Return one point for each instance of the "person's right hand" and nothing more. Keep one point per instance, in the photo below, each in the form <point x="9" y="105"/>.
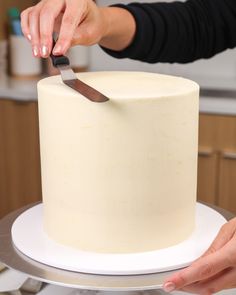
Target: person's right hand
<point x="214" y="271"/>
<point x="77" y="22"/>
<point x="72" y="19"/>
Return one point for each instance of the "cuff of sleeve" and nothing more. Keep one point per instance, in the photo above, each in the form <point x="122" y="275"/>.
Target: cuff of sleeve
<point x="139" y="47"/>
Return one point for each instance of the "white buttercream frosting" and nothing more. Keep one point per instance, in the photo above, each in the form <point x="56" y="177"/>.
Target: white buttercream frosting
<point x="119" y="176"/>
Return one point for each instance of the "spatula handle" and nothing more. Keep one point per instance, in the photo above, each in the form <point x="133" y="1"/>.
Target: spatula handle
<point x="59" y="60"/>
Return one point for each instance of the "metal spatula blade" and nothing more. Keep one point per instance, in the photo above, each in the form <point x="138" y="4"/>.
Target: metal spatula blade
<point x="69" y="78"/>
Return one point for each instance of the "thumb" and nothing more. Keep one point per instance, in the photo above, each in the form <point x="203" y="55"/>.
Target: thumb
<point x="225" y="234"/>
<point x="202" y="269"/>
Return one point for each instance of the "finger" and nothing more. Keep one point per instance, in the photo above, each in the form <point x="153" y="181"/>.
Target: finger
<point x="73" y="15"/>
<point x="48" y="15"/>
<point x="200" y="270"/>
<point x="25" y="22"/>
<point x="224" y="280"/>
<point x="34" y="29"/>
<point x="57" y="23"/>
<point x="223" y="237"/>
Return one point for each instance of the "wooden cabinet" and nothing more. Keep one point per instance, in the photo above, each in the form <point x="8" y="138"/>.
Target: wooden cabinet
<point x="4" y="6"/>
<point x="207" y="175"/>
<point x="227" y="181"/>
<point x="19" y="155"/>
<point x="217" y="161"/>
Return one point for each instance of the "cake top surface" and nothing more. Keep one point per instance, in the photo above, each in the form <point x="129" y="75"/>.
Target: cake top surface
<point x="125" y="85"/>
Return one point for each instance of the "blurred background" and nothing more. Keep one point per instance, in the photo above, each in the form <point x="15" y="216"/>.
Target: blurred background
<point x="19" y="143"/>
<point x="20" y="182"/>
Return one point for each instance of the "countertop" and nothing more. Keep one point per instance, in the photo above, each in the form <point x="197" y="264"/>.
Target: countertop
<point x="217" y="97"/>
<point x="18" y="89"/>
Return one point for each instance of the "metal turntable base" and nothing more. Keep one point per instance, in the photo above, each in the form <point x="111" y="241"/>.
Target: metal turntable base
<point x="17" y="261"/>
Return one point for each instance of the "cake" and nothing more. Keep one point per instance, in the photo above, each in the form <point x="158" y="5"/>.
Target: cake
<point x="119" y="176"/>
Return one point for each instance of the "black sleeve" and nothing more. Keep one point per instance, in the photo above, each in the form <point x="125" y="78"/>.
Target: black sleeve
<point x="180" y="31"/>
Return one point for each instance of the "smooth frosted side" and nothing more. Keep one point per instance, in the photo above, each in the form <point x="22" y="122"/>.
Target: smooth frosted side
<point x="119" y="176"/>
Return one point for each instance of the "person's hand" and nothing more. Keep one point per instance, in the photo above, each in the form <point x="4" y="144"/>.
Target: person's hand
<point x="72" y="19"/>
<point x="77" y="22"/>
<point x="214" y="271"/>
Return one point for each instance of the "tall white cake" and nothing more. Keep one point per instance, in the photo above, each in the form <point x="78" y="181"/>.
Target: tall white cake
<point x="119" y="176"/>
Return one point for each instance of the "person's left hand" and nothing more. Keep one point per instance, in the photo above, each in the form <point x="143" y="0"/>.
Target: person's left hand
<point x="214" y="271"/>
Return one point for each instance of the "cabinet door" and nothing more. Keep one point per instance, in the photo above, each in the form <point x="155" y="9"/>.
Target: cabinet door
<point x="207" y="175"/>
<point x="217" y="162"/>
<point x="227" y="167"/>
<point x="209" y="129"/>
<point x="227" y="133"/>
<point x="20" y="181"/>
<point x="227" y="181"/>
<point x="208" y="158"/>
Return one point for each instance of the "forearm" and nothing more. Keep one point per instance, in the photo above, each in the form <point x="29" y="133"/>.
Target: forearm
<point x="180" y="31"/>
<point x="120" y="28"/>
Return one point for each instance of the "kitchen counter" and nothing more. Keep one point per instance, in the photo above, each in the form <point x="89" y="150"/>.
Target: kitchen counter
<point x="18" y="89"/>
<point x="220" y="100"/>
<point x="218" y="105"/>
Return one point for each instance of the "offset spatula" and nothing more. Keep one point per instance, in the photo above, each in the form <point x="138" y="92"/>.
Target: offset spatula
<point x="62" y="63"/>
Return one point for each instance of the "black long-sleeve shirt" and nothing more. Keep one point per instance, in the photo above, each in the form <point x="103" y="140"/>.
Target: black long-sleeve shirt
<point x="180" y="31"/>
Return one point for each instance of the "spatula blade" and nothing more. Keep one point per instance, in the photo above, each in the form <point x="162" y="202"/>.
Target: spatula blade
<point x="69" y="78"/>
<point x="86" y="90"/>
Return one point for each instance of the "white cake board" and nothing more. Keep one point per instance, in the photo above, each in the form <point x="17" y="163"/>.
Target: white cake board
<point x="30" y="239"/>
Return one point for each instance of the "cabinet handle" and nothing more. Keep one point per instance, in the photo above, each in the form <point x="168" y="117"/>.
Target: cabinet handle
<point x="229" y="155"/>
<point x="205" y="152"/>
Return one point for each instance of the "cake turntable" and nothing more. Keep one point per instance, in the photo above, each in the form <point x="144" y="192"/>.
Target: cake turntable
<point x="46" y="251"/>
<point x="16" y="260"/>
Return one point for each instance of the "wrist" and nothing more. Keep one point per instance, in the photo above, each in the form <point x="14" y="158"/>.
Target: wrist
<point x="106" y="22"/>
<point x="119" y="28"/>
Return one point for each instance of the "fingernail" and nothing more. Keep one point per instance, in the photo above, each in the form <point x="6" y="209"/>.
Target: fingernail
<point x="44" y="50"/>
<point x="29" y="37"/>
<point x="169" y="287"/>
<point x="57" y="49"/>
<point x="35" y="51"/>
